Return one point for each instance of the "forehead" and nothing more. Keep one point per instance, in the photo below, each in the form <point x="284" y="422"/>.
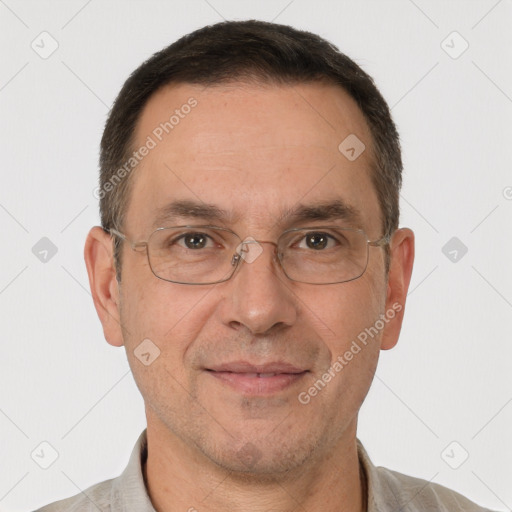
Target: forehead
<point x="257" y="151"/>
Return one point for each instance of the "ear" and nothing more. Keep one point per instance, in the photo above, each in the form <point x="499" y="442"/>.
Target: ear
<point x="399" y="277"/>
<point x="99" y="259"/>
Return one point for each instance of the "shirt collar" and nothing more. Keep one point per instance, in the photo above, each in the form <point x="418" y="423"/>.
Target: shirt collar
<point x="129" y="493"/>
<point x="380" y="496"/>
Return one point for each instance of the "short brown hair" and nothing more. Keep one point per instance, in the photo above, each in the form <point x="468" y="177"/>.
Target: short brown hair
<point x="246" y="51"/>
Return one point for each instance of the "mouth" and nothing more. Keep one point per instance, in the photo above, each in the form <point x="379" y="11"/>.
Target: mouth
<point x="250" y="379"/>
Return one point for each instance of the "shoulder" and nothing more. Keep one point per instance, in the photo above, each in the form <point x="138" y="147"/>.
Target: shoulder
<point x="390" y="491"/>
<point x="415" y="494"/>
<point x="96" y="497"/>
<point x="126" y="493"/>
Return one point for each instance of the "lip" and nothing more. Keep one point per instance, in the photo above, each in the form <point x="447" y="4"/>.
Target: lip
<point x="257" y="379"/>
<point x="246" y="367"/>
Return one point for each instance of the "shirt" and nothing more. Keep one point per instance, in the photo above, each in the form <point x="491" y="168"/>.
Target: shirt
<point x="387" y="491"/>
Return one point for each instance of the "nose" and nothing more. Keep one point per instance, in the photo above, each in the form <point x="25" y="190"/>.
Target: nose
<point x="261" y="298"/>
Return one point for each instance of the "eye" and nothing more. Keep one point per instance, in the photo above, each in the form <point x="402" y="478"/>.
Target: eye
<point x="194" y="241"/>
<point x="318" y="241"/>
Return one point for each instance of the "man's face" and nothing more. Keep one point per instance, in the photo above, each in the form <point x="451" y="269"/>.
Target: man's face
<point x="256" y="152"/>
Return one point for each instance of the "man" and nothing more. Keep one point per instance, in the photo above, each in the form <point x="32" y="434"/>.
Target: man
<point x="250" y="262"/>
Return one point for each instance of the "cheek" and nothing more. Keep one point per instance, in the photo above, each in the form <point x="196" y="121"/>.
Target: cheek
<point x="160" y="323"/>
<point x="354" y="344"/>
<point x="349" y="308"/>
<point x="168" y="314"/>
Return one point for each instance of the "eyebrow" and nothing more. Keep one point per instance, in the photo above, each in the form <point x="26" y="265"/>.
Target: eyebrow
<point x="318" y="211"/>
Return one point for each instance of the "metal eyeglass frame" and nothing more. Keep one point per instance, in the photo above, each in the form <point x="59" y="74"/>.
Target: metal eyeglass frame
<point x="237" y="258"/>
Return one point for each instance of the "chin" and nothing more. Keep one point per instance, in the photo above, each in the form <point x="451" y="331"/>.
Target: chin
<point x="263" y="462"/>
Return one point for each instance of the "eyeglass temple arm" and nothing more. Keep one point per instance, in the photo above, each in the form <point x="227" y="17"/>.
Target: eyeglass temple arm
<point x="380" y="242"/>
<point x="113" y="231"/>
<point x="134" y="245"/>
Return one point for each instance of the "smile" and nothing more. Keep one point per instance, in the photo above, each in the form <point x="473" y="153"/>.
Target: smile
<point x="258" y="383"/>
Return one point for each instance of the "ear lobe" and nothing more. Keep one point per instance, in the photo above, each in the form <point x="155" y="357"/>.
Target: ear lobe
<point x="399" y="278"/>
<point x="98" y="255"/>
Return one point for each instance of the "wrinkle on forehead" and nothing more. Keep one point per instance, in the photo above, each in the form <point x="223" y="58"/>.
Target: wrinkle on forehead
<point x="260" y="149"/>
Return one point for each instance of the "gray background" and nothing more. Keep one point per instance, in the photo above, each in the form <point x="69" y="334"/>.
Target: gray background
<point x="447" y="380"/>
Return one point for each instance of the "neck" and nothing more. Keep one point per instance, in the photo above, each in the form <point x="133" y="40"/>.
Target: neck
<point x="178" y="477"/>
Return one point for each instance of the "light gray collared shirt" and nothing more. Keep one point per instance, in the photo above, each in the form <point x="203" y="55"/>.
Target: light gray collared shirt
<point x="388" y="491"/>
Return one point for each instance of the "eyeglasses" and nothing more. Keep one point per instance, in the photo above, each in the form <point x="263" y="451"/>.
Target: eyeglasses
<point x="212" y="254"/>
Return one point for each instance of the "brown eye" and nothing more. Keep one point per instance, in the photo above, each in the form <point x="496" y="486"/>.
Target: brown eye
<point x="317" y="240"/>
<point x="195" y="240"/>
